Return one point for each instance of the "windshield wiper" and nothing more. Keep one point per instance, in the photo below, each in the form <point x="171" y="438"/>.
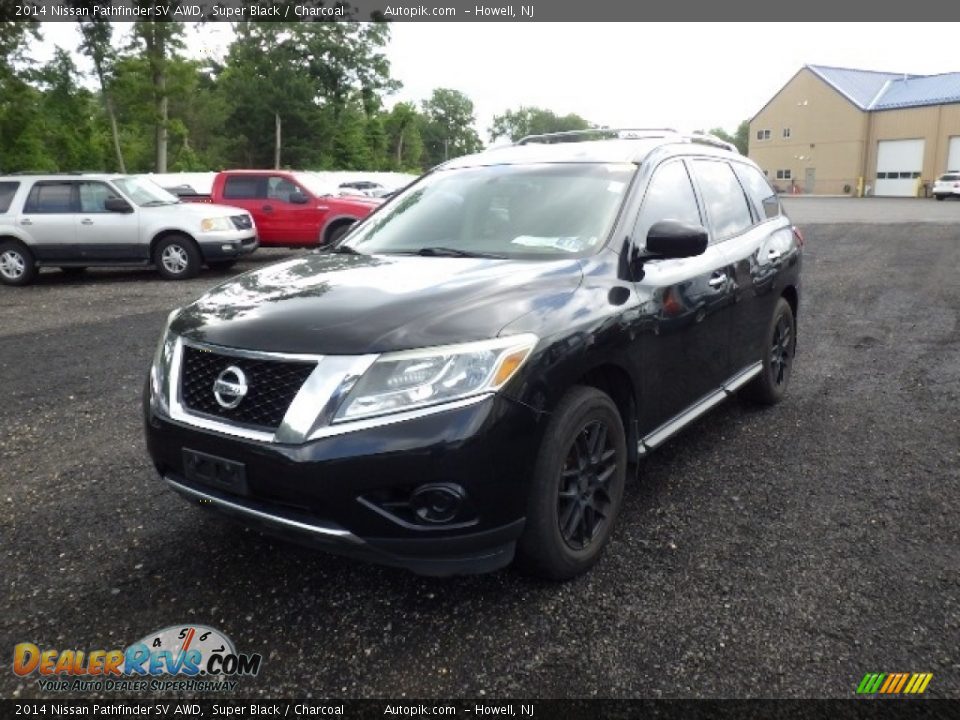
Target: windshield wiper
<point x="454" y="252"/>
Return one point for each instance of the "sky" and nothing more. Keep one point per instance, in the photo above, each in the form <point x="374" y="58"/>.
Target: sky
<point x="689" y="76"/>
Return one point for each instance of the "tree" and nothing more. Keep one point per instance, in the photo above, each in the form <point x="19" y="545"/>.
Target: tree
<point x="741" y="139"/>
<point x="403" y="131"/>
<point x="516" y="124"/>
<point x="159" y="41"/>
<point x="98" y="46"/>
<point x="448" y="129"/>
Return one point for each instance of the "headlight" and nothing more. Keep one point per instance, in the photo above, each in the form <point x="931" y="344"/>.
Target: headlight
<point x="417" y="378"/>
<point x="160" y="370"/>
<point x="213" y="224"/>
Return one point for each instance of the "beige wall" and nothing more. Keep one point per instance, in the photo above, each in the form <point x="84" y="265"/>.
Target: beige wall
<point x="826" y="130"/>
<point x="935" y="124"/>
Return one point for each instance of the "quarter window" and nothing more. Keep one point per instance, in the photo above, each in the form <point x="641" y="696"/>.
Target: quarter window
<point x="7" y="191"/>
<point x="764" y="198"/>
<point x="669" y="197"/>
<point x="723" y="197"/>
<point x="51" y="198"/>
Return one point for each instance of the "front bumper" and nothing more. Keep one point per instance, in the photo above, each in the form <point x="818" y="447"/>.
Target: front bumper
<point x="344" y="493"/>
<point x="231" y="245"/>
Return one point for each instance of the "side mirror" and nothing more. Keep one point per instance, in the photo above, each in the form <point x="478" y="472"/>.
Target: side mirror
<point x="674" y="239"/>
<point x="298" y="198"/>
<point x="118" y="205"/>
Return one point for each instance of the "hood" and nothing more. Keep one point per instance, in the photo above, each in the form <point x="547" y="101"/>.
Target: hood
<point x="196" y="210"/>
<point x="363" y="203"/>
<point x="355" y="304"/>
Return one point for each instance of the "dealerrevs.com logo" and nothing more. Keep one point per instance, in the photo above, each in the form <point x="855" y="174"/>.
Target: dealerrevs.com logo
<point x="179" y="658"/>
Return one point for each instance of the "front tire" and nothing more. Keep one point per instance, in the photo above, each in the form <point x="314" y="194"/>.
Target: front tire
<point x="577" y="487"/>
<point x="779" y="348"/>
<point x="17" y="264"/>
<point x="177" y="257"/>
<point x="939" y="197"/>
<point x="338" y="232"/>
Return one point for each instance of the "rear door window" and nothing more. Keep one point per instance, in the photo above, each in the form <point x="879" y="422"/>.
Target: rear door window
<point x="52" y="198"/>
<point x="764" y="198"/>
<point x="7" y="191"/>
<point x="245" y="187"/>
<point x="724" y="199"/>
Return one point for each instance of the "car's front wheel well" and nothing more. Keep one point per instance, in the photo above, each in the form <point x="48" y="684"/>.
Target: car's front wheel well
<point x="790" y="295"/>
<point x="615" y="382"/>
<point x="163" y="234"/>
<point x="337" y="228"/>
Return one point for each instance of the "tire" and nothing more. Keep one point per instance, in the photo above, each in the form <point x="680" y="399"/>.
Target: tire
<point x="939" y="197"/>
<point x="177" y="258"/>
<point x="221" y="264"/>
<point x="17" y="264"/>
<point x="565" y="534"/>
<point x="780" y="346"/>
<point x="338" y="232"/>
<point x="73" y="270"/>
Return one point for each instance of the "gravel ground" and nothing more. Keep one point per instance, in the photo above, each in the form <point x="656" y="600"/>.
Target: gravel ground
<point x="763" y="553"/>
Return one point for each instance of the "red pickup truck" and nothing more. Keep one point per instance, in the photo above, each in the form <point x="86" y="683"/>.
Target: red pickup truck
<point x="290" y="208"/>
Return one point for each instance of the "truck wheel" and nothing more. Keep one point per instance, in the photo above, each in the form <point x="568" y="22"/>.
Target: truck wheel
<point x="17" y="264"/>
<point x="577" y="487"/>
<point x="338" y="232"/>
<point x="177" y="257"/>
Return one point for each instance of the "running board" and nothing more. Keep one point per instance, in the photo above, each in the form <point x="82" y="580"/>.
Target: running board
<point x="676" y="424"/>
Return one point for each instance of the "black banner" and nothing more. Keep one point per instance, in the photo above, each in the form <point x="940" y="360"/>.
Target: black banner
<point x="465" y="11"/>
<point x="249" y="709"/>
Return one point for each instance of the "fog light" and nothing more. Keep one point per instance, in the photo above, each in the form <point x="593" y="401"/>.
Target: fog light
<point x="437" y="502"/>
<point x="227" y="248"/>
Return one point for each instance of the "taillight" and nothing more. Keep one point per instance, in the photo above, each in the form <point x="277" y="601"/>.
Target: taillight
<point x="797" y="234"/>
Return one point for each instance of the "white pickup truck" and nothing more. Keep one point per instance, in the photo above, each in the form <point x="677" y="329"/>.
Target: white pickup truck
<point x="77" y="221"/>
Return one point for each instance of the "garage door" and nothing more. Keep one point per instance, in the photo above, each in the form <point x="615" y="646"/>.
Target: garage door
<point x="953" y="155"/>
<point x="899" y="163"/>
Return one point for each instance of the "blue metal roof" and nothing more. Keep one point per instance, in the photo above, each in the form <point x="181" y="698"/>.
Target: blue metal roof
<point x="870" y="90"/>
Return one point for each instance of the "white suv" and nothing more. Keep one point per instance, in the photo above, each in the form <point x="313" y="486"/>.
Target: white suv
<point x="76" y="221"/>
<point x="947" y="185"/>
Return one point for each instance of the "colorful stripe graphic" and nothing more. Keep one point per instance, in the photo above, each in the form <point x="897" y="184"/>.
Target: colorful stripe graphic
<point x="894" y="683"/>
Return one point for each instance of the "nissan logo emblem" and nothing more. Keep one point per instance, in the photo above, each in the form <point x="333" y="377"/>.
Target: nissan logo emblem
<point x="230" y="387"/>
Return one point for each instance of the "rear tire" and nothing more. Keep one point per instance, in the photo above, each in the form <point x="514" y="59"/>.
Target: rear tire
<point x="577" y="487"/>
<point x="779" y="348"/>
<point x="177" y="257"/>
<point x="939" y="197"/>
<point x="17" y="264"/>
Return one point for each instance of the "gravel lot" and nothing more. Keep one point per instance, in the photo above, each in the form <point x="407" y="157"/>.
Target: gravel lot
<point x="772" y="553"/>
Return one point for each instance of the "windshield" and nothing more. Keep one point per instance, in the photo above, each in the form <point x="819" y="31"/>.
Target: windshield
<point x="316" y="185"/>
<point x="518" y="211"/>
<point x="144" y="192"/>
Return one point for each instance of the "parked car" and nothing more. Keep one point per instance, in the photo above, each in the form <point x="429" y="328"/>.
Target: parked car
<point x="77" y="221"/>
<point x="467" y="376"/>
<point x="947" y="185"/>
<point x="291" y="209"/>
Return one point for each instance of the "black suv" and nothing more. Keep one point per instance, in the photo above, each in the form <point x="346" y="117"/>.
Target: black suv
<point x="468" y="375"/>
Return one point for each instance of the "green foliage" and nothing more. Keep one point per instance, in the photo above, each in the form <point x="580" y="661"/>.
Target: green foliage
<point x="447" y="126"/>
<point x="741" y="139"/>
<point x="516" y="124"/>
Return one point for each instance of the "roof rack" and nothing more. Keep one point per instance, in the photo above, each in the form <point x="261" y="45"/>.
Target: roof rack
<point x="628" y="134"/>
<point x="561" y="136"/>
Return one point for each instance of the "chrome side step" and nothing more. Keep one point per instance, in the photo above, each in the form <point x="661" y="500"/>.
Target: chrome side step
<point x="677" y="423"/>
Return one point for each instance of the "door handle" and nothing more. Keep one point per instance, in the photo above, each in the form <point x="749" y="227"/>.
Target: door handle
<point x="717" y="280"/>
<point x="86" y="221"/>
<point x="322" y="207"/>
<point x="26" y="221"/>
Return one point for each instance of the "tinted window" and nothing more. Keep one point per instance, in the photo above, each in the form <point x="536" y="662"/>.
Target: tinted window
<point x="724" y="199"/>
<point x="669" y="197"/>
<point x="7" y="191"/>
<point x="944" y="178"/>
<point x="241" y="187"/>
<point x="93" y="195"/>
<point x="765" y="200"/>
<point x="50" y="198"/>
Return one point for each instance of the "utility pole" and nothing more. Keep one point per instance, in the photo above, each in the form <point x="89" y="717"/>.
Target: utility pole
<point x="276" y="146"/>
